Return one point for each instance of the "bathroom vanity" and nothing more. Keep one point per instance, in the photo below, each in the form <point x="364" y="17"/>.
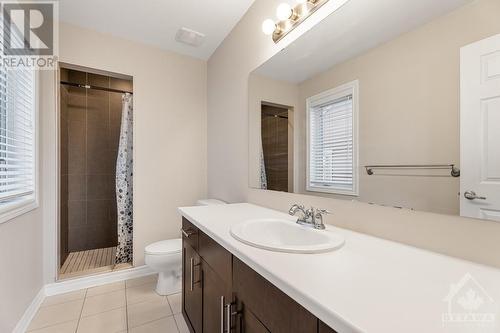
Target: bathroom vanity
<point x="229" y="286"/>
<point x="223" y="294"/>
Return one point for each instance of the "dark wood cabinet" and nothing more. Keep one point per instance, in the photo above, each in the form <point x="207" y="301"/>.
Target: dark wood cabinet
<point x="192" y="298"/>
<point x="223" y="294"/>
<point x="217" y="257"/>
<point x="190" y="234"/>
<point x="248" y="323"/>
<point x="274" y="309"/>
<point x="323" y="328"/>
<point x="216" y="296"/>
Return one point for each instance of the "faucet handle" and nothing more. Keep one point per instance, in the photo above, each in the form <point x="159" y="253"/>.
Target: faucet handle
<point x="317" y="218"/>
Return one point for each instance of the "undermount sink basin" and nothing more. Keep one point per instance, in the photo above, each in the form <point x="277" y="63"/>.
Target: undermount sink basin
<point x="285" y="236"/>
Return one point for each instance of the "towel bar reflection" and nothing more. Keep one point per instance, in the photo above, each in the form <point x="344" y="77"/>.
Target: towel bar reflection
<point x="455" y="171"/>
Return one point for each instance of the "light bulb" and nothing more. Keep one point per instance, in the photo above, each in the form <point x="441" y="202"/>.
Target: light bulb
<point x="268" y="27"/>
<point x="284" y="12"/>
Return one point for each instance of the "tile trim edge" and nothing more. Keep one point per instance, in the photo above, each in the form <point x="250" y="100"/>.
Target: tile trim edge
<point x="29" y="314"/>
<point x="69" y="285"/>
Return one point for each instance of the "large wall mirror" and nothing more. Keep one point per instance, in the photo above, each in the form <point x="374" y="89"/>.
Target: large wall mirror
<point x="393" y="102"/>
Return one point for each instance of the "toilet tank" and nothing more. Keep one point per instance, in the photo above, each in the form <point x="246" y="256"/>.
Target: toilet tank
<point x="209" y="202"/>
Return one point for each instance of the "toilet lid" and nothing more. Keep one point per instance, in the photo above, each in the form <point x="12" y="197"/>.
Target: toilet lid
<point x="164" y="247"/>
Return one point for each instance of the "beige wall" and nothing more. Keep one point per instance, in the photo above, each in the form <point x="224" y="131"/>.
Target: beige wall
<point x="228" y="69"/>
<point x="22" y="266"/>
<point x="22" y="242"/>
<point x="169" y="126"/>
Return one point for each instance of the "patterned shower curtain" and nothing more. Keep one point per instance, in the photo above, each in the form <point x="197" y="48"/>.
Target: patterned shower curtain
<point x="263" y="175"/>
<point x="124" y="189"/>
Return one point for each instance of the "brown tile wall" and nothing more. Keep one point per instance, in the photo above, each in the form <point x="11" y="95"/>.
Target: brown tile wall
<point x="63" y="216"/>
<point x="275" y="147"/>
<point x="90" y="130"/>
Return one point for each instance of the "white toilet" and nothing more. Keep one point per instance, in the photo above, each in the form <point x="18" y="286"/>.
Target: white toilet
<point x="165" y="257"/>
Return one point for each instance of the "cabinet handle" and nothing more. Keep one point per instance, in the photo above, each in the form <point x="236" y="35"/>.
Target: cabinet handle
<point x="191" y="274"/>
<point x="228" y="317"/>
<point x="222" y="330"/>
<point x="187" y="233"/>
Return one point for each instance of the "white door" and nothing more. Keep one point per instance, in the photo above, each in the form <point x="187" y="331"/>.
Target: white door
<point x="480" y="129"/>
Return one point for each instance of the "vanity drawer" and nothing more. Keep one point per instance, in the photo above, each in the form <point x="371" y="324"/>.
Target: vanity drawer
<point x="273" y="308"/>
<point x="217" y="257"/>
<point x="190" y="234"/>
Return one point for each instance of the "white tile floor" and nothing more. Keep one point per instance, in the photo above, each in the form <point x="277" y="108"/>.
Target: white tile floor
<point x="129" y="306"/>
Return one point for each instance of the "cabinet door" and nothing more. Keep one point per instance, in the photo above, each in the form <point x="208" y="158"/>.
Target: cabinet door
<point x="191" y="288"/>
<point x="216" y="295"/>
<point x="217" y="257"/>
<point x="248" y="323"/>
<point x="276" y="311"/>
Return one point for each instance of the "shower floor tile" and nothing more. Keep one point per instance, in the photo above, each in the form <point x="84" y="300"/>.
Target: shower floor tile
<point x="90" y="262"/>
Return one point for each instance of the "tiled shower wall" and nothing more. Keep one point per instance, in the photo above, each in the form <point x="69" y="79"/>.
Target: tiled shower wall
<point x="90" y="131"/>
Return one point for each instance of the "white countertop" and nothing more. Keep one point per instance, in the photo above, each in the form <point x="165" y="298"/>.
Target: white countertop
<point x="369" y="285"/>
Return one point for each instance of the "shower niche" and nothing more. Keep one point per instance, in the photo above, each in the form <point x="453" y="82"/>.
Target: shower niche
<point x="95" y="151"/>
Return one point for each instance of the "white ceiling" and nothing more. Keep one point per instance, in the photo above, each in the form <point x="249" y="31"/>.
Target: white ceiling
<point x="350" y="31"/>
<point x="156" y="22"/>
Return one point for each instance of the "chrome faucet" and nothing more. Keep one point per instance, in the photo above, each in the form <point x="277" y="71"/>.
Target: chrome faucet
<point x="296" y="208"/>
<point x="310" y="217"/>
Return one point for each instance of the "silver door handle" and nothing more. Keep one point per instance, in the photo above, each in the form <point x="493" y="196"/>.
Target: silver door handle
<point x="471" y="195"/>
<point x="222" y="304"/>
<point x="191" y="274"/>
<point x="229" y="315"/>
<point x="188" y="233"/>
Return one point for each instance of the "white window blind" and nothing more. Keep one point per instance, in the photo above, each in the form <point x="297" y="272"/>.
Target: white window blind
<point x="332" y="155"/>
<point x="17" y="134"/>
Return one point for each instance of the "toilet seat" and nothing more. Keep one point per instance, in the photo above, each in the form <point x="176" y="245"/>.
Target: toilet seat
<point x="170" y="246"/>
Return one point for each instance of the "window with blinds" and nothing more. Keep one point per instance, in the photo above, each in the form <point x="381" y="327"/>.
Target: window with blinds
<point x="332" y="141"/>
<point x="17" y="138"/>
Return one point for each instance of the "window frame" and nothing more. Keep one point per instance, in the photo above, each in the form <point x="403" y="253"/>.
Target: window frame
<point x="350" y="88"/>
<point x="25" y="204"/>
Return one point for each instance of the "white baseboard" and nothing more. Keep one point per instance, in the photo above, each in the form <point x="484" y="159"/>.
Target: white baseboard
<point x="24" y="322"/>
<point x="66" y="286"/>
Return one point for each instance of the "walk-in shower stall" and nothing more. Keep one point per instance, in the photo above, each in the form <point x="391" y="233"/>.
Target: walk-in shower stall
<point x="95" y="150"/>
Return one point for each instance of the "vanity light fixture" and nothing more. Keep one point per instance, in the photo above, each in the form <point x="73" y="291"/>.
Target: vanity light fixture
<point x="268" y="27"/>
<point x="290" y="17"/>
<point x="285" y="12"/>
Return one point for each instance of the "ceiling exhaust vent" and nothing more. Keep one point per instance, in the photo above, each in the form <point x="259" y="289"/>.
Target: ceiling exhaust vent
<point x="190" y="37"/>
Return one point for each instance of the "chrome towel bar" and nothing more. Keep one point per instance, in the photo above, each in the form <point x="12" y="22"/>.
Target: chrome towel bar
<point x="455" y="171"/>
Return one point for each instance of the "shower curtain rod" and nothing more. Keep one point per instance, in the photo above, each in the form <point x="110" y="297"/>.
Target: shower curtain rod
<point x="86" y="86"/>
